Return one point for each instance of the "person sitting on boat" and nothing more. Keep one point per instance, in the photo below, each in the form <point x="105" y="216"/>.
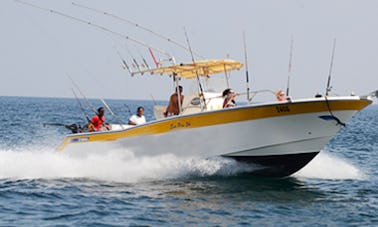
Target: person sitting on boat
<point x="229" y="98"/>
<point x="98" y="122"/>
<point x="138" y="118"/>
<point x="174" y="106"/>
<point x="280" y="95"/>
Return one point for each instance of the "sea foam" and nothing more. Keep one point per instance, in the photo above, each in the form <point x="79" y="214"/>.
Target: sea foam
<point x="330" y="166"/>
<point x="111" y="166"/>
<point x="124" y="166"/>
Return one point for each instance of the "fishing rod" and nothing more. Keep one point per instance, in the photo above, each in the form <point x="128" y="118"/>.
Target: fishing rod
<point x="198" y="79"/>
<point x="112" y="113"/>
<point x="82" y="94"/>
<point x="329" y="87"/>
<point x="134" y="61"/>
<point x="145" y="63"/>
<point x="93" y="25"/>
<point x="93" y="108"/>
<point x="227" y="75"/>
<point x="81" y="107"/>
<point x="153" y="99"/>
<point x="143" y="59"/>
<point x="289" y="67"/>
<point x="137" y="65"/>
<point x="73" y="127"/>
<point x="153" y="57"/>
<point x="246" y="66"/>
<point x="128" y="108"/>
<point x="136" y="25"/>
<point x="124" y="64"/>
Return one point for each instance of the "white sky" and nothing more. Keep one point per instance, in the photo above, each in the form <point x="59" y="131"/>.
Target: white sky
<point x="38" y="48"/>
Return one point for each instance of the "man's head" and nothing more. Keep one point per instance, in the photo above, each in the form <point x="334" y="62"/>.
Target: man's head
<point x="180" y="89"/>
<point x="140" y="111"/>
<point x="101" y="111"/>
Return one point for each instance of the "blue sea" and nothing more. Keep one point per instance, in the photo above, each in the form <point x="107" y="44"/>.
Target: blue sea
<point x="39" y="187"/>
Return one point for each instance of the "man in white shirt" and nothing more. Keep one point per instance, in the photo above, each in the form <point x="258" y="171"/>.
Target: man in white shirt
<point x="138" y="118"/>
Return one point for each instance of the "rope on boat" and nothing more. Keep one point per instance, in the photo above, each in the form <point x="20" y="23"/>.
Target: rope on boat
<point x="339" y="122"/>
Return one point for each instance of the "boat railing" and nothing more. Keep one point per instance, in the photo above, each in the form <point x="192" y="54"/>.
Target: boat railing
<point x="252" y="95"/>
<point x="214" y="101"/>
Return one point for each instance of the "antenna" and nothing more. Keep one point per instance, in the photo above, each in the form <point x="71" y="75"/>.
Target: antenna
<point x="289" y="68"/>
<point x="329" y="87"/>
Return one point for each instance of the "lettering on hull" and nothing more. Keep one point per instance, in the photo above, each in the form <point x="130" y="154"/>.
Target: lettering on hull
<point x="282" y="109"/>
<point x="178" y="125"/>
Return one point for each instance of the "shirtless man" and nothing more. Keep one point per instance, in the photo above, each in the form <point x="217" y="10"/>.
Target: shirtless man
<point x="173" y="106"/>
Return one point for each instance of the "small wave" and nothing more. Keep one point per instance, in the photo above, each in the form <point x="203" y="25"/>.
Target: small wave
<point x="111" y="166"/>
<point x="329" y="166"/>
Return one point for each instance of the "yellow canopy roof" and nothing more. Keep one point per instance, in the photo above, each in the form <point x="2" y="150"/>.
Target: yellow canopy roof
<point x="190" y="70"/>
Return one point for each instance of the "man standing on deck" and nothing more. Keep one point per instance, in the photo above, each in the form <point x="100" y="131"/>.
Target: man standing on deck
<point x="174" y="106"/>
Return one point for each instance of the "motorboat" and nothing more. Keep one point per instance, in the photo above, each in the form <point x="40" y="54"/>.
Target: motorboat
<point x="277" y="138"/>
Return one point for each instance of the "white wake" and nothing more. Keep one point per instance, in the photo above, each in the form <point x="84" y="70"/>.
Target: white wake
<point x="126" y="167"/>
<point x="329" y="166"/>
<point x="112" y="166"/>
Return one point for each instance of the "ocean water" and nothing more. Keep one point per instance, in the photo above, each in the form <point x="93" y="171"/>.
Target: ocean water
<point x="41" y="188"/>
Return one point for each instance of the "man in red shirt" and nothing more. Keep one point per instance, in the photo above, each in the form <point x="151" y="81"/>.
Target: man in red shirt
<point x="98" y="121"/>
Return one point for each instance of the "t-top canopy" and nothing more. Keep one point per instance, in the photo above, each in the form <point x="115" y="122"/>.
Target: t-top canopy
<point x="190" y="70"/>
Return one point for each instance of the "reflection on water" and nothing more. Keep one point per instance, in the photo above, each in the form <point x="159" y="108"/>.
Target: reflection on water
<point x="242" y="188"/>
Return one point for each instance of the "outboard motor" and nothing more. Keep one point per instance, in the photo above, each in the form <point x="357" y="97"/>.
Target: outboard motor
<point x="74" y="128"/>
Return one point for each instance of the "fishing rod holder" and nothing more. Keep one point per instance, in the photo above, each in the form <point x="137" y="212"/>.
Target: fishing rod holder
<point x="170" y="60"/>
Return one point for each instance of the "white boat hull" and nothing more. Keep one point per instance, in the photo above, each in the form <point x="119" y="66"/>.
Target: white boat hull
<point x="281" y="137"/>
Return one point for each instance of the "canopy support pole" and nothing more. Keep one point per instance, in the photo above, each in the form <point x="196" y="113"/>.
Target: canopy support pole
<point x="176" y="80"/>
